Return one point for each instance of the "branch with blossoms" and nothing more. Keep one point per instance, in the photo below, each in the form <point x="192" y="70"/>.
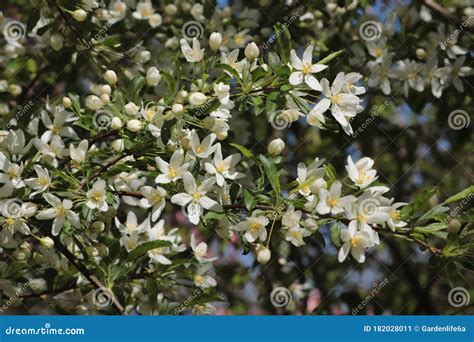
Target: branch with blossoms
<point x="100" y="176"/>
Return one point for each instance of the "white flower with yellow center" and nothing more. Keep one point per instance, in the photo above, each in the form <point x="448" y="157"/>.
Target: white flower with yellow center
<point x="331" y="201"/>
<point x="223" y="168"/>
<point x="356" y="243"/>
<point x="153" y="198"/>
<point x="344" y="106"/>
<point x="60" y="212"/>
<point x="131" y="224"/>
<point x="172" y="171"/>
<point x="254" y="228"/>
<point x="41" y="183"/>
<point x="96" y="196"/>
<point x="11" y="176"/>
<point x="57" y="126"/>
<point x="194" y="54"/>
<point x="195" y="198"/>
<point x="15" y="214"/>
<point x="394" y="216"/>
<point x="200" y="250"/>
<point x="308" y="175"/>
<point x="78" y="154"/>
<point x="204" y="148"/>
<point x="361" y="173"/>
<point x="305" y="68"/>
<point x="143" y="10"/>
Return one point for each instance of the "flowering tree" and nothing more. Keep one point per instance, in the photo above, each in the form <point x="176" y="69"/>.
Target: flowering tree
<point x="154" y="156"/>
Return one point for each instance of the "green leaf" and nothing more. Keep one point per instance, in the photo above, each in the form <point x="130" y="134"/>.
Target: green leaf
<point x="431" y="228"/>
<point x="229" y="69"/>
<point x="436" y="213"/>
<point x="209" y="8"/>
<point x="170" y="81"/>
<point x="283" y="43"/>
<point x="147" y="246"/>
<point x="166" y="130"/>
<point x="258" y="105"/>
<point x="274" y="60"/>
<point x="134" y="88"/>
<point x="336" y="235"/>
<point x="272" y="174"/>
<point x="243" y="150"/>
<point x="330" y="172"/>
<point x="250" y="200"/>
<point x="469" y="192"/>
<point x="333" y="55"/>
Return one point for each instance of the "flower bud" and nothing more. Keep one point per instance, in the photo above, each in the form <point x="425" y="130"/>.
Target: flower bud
<point x="155" y="20"/>
<point x="208" y="122"/>
<point x="93" y="102"/>
<point x="177" y="108"/>
<point x="105" y="98"/>
<point x="276" y="146"/>
<point x="38" y="284"/>
<point x="67" y="103"/>
<point x="197" y="99"/>
<point x="153" y="76"/>
<point x="221" y="135"/>
<point x="111" y="77"/>
<point x="181" y="96"/>
<point x="134" y="125"/>
<point x="143" y="56"/>
<point x="14" y="89"/>
<point x="98" y="226"/>
<point x="215" y="41"/>
<point x="47" y="242"/>
<point x="454" y="226"/>
<point x="92" y="251"/>
<point x="263" y="255"/>
<point x="251" y="51"/>
<point x="105" y="89"/>
<point x="421" y="53"/>
<point x="116" y="123"/>
<point x="118" y="145"/>
<point x="131" y="108"/>
<point x="79" y="14"/>
<point x="56" y="41"/>
<point x="171" y="9"/>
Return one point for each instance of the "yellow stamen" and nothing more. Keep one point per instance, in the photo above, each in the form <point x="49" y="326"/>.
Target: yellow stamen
<point x="356" y="242"/>
<point x="395" y="215"/>
<point x="172" y="172"/>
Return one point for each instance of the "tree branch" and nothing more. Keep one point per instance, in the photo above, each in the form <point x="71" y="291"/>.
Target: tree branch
<point x="85" y="272"/>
